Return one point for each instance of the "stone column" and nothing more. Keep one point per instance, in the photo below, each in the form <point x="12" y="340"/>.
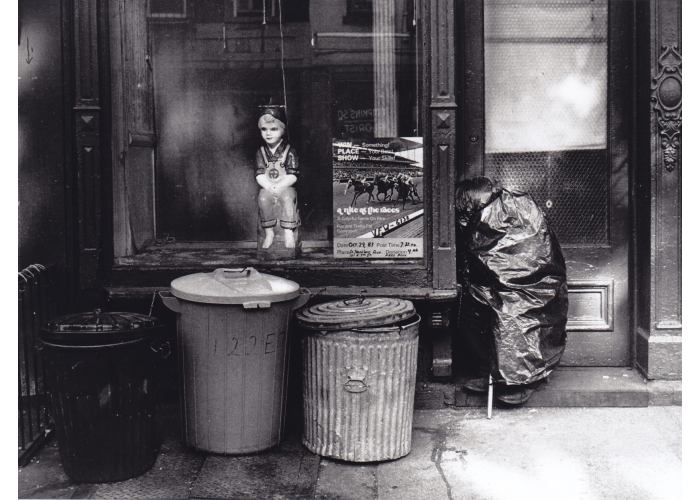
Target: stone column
<point x="88" y="161"/>
<point x="443" y="140"/>
<point x="658" y="341"/>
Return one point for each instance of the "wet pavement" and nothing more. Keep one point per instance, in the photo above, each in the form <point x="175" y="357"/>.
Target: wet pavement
<point x="520" y="453"/>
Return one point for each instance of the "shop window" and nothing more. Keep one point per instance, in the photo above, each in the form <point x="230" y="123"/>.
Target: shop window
<point x="338" y="82"/>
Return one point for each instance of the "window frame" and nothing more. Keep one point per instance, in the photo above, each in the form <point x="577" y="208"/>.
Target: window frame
<point x="415" y="277"/>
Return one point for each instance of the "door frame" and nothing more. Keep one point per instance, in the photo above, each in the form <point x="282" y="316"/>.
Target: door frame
<point x="622" y="69"/>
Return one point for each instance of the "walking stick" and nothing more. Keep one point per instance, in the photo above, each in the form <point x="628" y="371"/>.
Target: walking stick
<point x="489" y="403"/>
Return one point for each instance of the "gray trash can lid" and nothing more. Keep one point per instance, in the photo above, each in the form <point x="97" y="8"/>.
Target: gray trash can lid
<point x="358" y="312"/>
<point x="99" y="328"/>
<point x="234" y="286"/>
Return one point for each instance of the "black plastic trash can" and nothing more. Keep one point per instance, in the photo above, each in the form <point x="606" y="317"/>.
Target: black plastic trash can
<point x="100" y="374"/>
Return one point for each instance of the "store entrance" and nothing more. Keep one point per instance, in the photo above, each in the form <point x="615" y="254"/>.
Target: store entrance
<point x="553" y="111"/>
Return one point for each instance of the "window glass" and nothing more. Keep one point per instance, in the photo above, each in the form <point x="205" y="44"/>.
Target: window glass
<point x="344" y="70"/>
<point x="546" y="74"/>
<point x="546" y="109"/>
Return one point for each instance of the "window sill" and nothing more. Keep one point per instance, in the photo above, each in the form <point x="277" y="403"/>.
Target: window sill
<point x="316" y="269"/>
<point x="205" y="255"/>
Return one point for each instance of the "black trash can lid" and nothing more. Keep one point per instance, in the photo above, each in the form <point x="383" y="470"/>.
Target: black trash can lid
<point x="98" y="328"/>
<point x="358" y="312"/>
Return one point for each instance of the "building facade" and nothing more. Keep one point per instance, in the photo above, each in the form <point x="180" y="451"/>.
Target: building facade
<point x="138" y="126"/>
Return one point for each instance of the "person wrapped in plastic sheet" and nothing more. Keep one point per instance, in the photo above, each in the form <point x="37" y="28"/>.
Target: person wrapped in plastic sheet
<point x="514" y="288"/>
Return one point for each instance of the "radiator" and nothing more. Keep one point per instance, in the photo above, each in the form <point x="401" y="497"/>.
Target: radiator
<point x="34" y="308"/>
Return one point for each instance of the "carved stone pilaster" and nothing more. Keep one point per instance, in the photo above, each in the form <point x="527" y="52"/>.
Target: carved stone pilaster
<point x="659" y="328"/>
<point x="442" y="126"/>
<point x="87" y="122"/>
<point x="666" y="101"/>
<point x="443" y="139"/>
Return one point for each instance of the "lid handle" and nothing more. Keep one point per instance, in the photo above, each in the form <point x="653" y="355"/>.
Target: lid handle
<point x="227" y="273"/>
<point x="354" y="301"/>
<point x="242" y="280"/>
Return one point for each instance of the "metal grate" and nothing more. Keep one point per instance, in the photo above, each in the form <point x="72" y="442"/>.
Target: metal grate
<point x="572" y="187"/>
<point x="546" y="109"/>
<point x="34" y="307"/>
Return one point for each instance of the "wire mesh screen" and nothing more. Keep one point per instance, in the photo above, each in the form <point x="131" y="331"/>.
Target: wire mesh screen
<point x="572" y="187"/>
<point x="34" y="308"/>
<point x="546" y="109"/>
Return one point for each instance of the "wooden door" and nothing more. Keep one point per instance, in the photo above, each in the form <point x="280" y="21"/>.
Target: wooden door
<point x="553" y="111"/>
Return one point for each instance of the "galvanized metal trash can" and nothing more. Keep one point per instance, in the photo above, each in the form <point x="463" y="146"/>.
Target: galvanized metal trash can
<point x="360" y="358"/>
<point x="101" y="370"/>
<point x="233" y="356"/>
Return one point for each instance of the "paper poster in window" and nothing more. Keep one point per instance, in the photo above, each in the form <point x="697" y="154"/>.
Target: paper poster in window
<point x="378" y="198"/>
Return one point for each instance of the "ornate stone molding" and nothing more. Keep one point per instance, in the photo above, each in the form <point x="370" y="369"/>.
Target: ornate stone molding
<point x="666" y="89"/>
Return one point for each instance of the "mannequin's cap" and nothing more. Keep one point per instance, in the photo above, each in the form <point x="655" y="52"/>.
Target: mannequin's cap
<point x="277" y="111"/>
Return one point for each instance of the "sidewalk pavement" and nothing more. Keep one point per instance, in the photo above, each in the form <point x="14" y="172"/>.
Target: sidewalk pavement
<point x="521" y="453"/>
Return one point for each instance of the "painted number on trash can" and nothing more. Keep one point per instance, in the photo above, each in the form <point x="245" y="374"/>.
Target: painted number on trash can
<point x="252" y="345"/>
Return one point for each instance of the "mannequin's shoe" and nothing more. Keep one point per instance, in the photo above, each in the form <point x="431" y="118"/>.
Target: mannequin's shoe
<point x="289" y="240"/>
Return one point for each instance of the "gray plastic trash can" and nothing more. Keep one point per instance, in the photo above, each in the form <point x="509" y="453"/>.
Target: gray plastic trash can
<point x="233" y="356"/>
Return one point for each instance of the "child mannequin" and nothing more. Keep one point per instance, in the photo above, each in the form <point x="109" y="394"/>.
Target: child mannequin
<point x="276" y="172"/>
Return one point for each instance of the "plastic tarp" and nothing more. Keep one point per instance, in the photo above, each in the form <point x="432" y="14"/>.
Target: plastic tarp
<point x="517" y="276"/>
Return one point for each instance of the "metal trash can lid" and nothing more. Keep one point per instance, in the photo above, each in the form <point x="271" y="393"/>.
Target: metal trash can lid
<point x="99" y="328"/>
<point x="358" y="312"/>
<point x="234" y="286"/>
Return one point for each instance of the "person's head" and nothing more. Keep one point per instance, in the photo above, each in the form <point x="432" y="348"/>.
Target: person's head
<point x="272" y="124"/>
<point x="470" y="196"/>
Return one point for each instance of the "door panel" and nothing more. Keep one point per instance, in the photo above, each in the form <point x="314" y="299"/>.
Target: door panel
<point x="557" y="127"/>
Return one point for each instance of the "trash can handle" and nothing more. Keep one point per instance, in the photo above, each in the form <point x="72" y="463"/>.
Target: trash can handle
<point x="304" y="296"/>
<point x="170" y="301"/>
<point x="356" y="380"/>
<point x="161" y="347"/>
